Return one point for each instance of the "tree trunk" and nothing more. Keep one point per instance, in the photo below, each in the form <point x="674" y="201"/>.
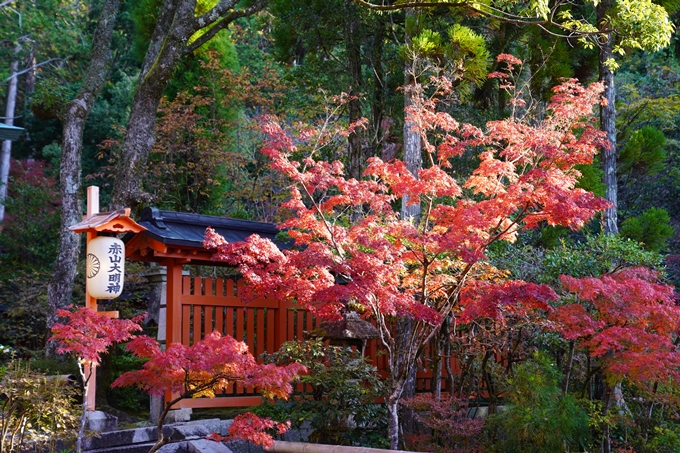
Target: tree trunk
<point x="393" y="417"/>
<point x="382" y="133"/>
<point x="60" y="287"/>
<point x="170" y="42"/>
<point x="353" y="49"/>
<point x="6" y="157"/>
<point x="608" y="124"/>
<point x="412" y="143"/>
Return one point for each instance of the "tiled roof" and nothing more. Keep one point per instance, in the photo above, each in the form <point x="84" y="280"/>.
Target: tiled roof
<point x="184" y="229"/>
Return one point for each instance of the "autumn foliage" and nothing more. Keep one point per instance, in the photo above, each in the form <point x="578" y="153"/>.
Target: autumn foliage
<point x="627" y="320"/>
<point x="203" y="369"/>
<point x="87" y="335"/>
<point x="353" y="251"/>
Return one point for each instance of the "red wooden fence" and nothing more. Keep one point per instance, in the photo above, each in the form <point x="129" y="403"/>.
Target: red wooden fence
<point x="264" y="324"/>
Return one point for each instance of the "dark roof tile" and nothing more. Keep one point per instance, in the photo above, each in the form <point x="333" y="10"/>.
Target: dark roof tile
<point x="184" y="229"/>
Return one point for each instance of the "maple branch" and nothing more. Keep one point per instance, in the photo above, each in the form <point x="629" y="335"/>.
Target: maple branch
<point x="384" y="331"/>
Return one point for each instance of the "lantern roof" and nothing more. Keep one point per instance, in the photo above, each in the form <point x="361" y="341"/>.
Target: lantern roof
<point x="109" y="222"/>
<point x="8" y="132"/>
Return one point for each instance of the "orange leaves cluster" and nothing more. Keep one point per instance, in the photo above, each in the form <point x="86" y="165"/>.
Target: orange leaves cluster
<point x="350" y="246"/>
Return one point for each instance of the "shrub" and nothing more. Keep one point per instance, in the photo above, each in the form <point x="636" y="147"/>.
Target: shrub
<point x="36" y="409"/>
<point x="448" y="427"/>
<point x="538" y="417"/>
<point x="652" y="228"/>
<point x="340" y="402"/>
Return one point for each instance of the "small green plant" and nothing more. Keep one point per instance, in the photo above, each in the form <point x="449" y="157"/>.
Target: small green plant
<point x="651" y="228"/>
<point x="36" y="409"/>
<point x="339" y="401"/>
<point x="539" y="417"/>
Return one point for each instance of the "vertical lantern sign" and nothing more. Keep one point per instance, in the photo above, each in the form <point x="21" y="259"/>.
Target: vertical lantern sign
<point x="105" y="267"/>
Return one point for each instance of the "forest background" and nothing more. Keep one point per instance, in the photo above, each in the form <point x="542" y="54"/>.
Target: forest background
<point x="295" y="60"/>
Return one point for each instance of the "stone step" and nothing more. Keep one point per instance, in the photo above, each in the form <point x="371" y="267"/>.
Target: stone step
<point x="176" y="432"/>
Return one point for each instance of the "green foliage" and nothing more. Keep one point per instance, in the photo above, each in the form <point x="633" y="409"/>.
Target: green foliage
<point x="468" y="49"/>
<point x="341" y="406"/>
<point x="144" y="17"/>
<point x="50" y="98"/>
<point x="128" y="399"/>
<point x="35" y="408"/>
<point x="591" y="178"/>
<point x="664" y="440"/>
<point x="28" y="248"/>
<point x="23" y="304"/>
<point x="652" y="228"/>
<point x="644" y="152"/>
<point x="597" y="255"/>
<point x="538" y="417"/>
<point x="464" y="53"/>
<point x="640" y="24"/>
<point x="592" y="256"/>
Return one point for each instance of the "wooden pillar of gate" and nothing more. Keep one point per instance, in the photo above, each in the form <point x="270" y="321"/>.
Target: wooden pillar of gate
<point x="173" y="307"/>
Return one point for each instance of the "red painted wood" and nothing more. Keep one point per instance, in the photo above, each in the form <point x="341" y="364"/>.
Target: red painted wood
<point x="186" y="325"/>
<point x="230" y="322"/>
<point x="196" y="331"/>
<point x="271" y="330"/>
<point x="260" y="333"/>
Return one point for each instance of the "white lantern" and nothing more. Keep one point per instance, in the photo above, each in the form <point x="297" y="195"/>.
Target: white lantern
<point x="105" y="267"/>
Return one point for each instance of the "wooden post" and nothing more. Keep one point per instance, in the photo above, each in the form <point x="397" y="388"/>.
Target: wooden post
<point x="93" y="223"/>
<point x="91" y="302"/>
<point x="173" y="308"/>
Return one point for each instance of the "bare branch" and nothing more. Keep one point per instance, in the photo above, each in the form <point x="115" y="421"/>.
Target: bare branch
<point x="17" y="74"/>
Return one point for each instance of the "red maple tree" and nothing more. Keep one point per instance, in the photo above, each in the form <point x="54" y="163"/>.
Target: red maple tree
<point x="86" y="335"/>
<point x="353" y="251"/>
<point x="627" y="320"/>
<point x="204" y="368"/>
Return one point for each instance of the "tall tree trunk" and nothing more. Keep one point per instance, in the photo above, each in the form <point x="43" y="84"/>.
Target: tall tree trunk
<point x="412" y="144"/>
<point x="378" y="96"/>
<point x="164" y="53"/>
<point x="353" y="49"/>
<point x="6" y="156"/>
<point x="608" y="123"/>
<point x="393" y="419"/>
<point x="60" y="288"/>
<point x="414" y="162"/>
<point x="177" y="24"/>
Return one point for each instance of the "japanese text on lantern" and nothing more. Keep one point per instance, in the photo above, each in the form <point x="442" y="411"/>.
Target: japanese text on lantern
<point x="105" y="267"/>
<point x="115" y="255"/>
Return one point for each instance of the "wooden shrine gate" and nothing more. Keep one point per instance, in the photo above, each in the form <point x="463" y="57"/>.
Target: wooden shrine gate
<point x="195" y="306"/>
